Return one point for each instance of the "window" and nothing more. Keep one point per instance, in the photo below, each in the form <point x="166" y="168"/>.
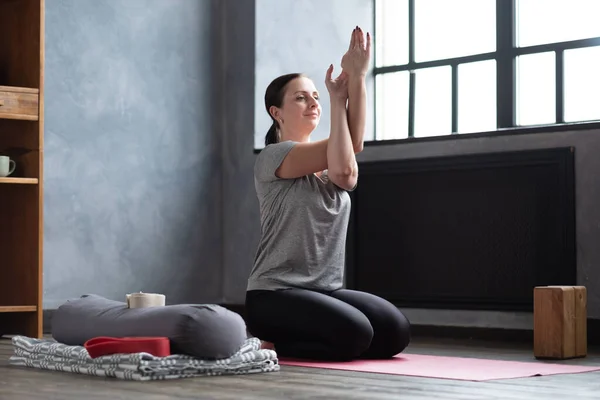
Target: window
<point x="446" y="67"/>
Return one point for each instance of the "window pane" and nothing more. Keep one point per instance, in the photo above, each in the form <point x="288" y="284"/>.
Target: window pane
<point x="446" y="29"/>
<point x="391" y="32"/>
<point x="549" y="21"/>
<point x="536" y="89"/>
<point x="392" y="105"/>
<point x="433" y="101"/>
<point x="477" y="96"/>
<point x="582" y="84"/>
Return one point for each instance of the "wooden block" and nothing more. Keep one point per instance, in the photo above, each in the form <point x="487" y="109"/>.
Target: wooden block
<point x="580" y="321"/>
<point x="560" y="322"/>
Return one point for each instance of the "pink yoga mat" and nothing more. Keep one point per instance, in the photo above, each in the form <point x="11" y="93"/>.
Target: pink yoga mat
<point x="469" y="369"/>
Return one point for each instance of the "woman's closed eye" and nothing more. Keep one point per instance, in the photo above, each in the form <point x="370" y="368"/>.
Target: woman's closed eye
<point x="299" y="98"/>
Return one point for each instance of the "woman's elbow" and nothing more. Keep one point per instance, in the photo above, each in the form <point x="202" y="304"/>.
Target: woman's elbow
<point x="346" y="180"/>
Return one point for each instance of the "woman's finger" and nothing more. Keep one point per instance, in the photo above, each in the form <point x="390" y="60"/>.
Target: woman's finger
<point x="368" y="43"/>
<point x="352" y="36"/>
<point x="361" y="39"/>
<point x="328" y="73"/>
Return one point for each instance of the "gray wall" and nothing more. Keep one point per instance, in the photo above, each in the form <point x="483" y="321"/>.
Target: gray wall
<point x="240" y="216"/>
<point x="132" y="150"/>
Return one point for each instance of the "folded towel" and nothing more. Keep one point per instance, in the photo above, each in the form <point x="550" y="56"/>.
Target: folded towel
<point x="51" y="355"/>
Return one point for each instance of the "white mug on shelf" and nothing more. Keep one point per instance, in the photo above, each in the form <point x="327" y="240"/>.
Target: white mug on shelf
<point x="7" y="166"/>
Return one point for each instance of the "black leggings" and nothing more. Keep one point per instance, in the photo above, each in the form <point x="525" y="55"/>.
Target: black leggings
<point x="341" y="325"/>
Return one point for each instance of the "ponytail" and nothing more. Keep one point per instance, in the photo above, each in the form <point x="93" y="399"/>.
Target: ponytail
<point x="274" y="98"/>
<point x="272" y="134"/>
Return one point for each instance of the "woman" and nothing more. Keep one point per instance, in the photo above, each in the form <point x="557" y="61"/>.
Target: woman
<point x="295" y="298"/>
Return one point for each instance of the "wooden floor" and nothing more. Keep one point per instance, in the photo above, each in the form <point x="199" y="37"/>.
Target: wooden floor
<point x="20" y="383"/>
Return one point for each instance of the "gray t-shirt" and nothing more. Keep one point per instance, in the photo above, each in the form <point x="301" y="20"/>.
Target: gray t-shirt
<point x="303" y="227"/>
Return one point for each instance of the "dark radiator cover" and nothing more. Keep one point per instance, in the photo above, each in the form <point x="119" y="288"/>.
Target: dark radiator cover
<point x="467" y="232"/>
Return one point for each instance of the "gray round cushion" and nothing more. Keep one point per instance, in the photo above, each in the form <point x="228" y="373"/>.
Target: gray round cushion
<point x="200" y="330"/>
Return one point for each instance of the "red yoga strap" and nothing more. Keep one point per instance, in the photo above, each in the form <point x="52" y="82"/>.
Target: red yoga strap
<point x="103" y="346"/>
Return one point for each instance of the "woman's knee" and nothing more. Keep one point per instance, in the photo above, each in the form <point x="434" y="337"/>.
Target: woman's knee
<point x="356" y="339"/>
<point x="393" y="337"/>
<point x="403" y="334"/>
<point x="353" y="340"/>
<point x="256" y="320"/>
<point x="391" y="327"/>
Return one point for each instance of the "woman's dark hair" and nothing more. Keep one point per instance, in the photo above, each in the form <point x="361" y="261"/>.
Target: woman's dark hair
<point x="274" y="97"/>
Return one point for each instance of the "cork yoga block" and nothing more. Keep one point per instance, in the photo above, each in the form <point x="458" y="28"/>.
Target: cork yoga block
<point x="560" y="322"/>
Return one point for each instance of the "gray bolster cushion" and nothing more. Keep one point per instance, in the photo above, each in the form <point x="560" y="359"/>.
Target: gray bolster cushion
<point x="199" y="330"/>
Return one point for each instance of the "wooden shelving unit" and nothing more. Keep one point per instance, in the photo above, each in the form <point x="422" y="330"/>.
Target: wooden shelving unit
<point x="22" y="139"/>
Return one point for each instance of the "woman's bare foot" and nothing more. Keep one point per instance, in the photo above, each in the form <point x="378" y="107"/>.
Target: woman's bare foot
<point x="266" y="345"/>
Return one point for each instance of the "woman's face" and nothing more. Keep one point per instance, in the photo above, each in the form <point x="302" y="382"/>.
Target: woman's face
<point x="301" y="110"/>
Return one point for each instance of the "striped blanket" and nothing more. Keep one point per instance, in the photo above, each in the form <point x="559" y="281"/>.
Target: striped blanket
<point x="50" y="355"/>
